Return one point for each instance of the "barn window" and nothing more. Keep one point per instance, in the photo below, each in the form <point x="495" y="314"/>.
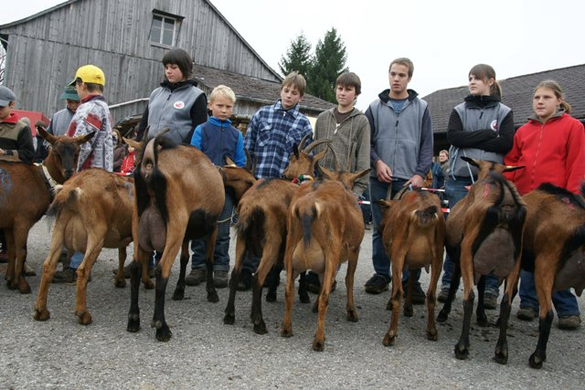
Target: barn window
<point x="164" y="28"/>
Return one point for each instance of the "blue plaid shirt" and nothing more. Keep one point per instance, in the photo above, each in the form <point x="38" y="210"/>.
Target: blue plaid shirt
<point x="271" y="134"/>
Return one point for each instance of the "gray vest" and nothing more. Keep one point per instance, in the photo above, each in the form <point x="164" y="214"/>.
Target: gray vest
<point x="474" y="119"/>
<point x="172" y="109"/>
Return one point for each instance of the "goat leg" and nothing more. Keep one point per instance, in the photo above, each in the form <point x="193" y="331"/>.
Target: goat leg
<point x="134" y="312"/>
<point x="480" y="311"/>
<point x="41" y="313"/>
<point x="462" y="347"/>
<point x="179" y="293"/>
<point x="119" y="280"/>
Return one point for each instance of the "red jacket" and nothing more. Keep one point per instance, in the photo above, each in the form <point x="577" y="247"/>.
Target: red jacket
<point x="551" y="152"/>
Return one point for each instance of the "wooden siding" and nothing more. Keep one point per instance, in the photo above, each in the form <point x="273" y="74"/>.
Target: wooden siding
<point x="44" y="52"/>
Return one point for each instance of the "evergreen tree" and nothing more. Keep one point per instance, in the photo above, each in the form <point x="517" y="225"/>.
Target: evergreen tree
<point x="329" y="63"/>
<point x="298" y="57"/>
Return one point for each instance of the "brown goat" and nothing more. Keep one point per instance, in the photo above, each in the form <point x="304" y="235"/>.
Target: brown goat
<point x="484" y="235"/>
<point x="413" y="232"/>
<point x="325" y="228"/>
<point x="93" y="210"/>
<point x="179" y="196"/>
<point x="261" y="230"/>
<point x="26" y="192"/>
<point x="554" y="249"/>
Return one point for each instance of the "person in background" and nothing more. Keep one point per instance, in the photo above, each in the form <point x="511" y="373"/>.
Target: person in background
<point x="400" y="156"/>
<point x="119" y="150"/>
<point x="92" y="115"/>
<point x="41" y="151"/>
<point x="218" y="139"/>
<point x="551" y="148"/>
<point x="349" y="132"/>
<point x="272" y="132"/>
<point x="16" y="143"/>
<point x="60" y="121"/>
<point x="481" y="128"/>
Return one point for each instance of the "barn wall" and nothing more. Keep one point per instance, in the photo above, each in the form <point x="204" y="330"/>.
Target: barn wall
<point x="44" y="52"/>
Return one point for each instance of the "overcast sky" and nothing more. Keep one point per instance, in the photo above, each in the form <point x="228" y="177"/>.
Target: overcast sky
<point x="444" y="39"/>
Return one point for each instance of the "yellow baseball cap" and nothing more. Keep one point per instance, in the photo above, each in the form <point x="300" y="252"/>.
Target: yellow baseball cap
<point x="90" y="74"/>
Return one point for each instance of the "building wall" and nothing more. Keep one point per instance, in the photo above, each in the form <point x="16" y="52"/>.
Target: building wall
<point x="43" y="53"/>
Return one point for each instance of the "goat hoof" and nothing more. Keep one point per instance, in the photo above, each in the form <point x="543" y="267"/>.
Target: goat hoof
<point x="149" y="284"/>
<point x="212" y="296"/>
<point x="388" y="340"/>
<point x="133" y="323"/>
<point x="41" y="314"/>
<point x="482" y="321"/>
<point x="535" y="361"/>
<point x="286" y="332"/>
<point x="432" y="335"/>
<point x="260" y="328"/>
<point x="271" y="297"/>
<point x="318" y="345"/>
<point x="501" y="358"/>
<point x="442" y="317"/>
<point x="163" y="333"/>
<point x="23" y="287"/>
<point x="120" y="283"/>
<point x="229" y="319"/>
<point x="352" y="316"/>
<point x="389" y="305"/>
<point x="179" y="294"/>
<point x="84" y="318"/>
<point x="304" y="298"/>
<point x="461" y="352"/>
<point x="408" y="311"/>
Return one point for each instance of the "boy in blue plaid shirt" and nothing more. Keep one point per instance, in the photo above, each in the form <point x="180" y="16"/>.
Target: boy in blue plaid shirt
<point x="271" y="134"/>
<point x="274" y="129"/>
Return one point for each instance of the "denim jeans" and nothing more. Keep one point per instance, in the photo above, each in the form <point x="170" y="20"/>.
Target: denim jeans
<point x="455" y="191"/>
<point x="221" y="257"/>
<point x="564" y="301"/>
<point x="76" y="260"/>
<point x="378" y="191"/>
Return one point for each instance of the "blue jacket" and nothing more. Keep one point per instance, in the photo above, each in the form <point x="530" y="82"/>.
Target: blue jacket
<point x="219" y="139"/>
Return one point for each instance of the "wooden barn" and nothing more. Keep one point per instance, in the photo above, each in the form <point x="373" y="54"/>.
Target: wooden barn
<point x="517" y="94"/>
<point x="127" y="40"/>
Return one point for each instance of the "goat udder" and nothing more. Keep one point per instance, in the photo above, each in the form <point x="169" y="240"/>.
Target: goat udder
<point x="152" y="230"/>
<point x="495" y="254"/>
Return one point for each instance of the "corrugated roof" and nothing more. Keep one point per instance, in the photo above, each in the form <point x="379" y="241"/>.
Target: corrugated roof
<point x="517" y="94"/>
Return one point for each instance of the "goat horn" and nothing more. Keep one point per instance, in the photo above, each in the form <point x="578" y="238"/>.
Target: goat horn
<point x="313" y="145"/>
<point x="334" y="156"/>
<point x="303" y="141"/>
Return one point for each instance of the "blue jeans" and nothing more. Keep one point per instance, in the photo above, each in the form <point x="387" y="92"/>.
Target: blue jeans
<point x="378" y="191"/>
<point x="76" y="260"/>
<point x="564" y="301"/>
<point x="221" y="257"/>
<point x="455" y="191"/>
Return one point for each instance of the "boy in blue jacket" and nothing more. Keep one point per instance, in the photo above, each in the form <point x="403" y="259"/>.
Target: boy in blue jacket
<point x="218" y="139"/>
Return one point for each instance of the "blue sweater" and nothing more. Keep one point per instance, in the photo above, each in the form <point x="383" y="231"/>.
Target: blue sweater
<point x="219" y="139"/>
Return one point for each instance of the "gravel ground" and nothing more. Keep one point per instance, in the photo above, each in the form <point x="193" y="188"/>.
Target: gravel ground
<point x="205" y="353"/>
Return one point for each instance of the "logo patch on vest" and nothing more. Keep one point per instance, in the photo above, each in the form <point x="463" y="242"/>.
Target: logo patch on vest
<point x="179" y="105"/>
<point x="494" y="125"/>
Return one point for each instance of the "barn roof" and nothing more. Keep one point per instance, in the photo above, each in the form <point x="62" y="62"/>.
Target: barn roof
<point x="517" y="94"/>
<point x="251" y="88"/>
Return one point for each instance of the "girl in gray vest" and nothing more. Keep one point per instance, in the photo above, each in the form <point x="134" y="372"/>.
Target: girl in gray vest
<point x="481" y="128"/>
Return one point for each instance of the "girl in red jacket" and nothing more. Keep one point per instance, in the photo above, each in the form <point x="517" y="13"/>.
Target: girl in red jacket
<point x="551" y="147"/>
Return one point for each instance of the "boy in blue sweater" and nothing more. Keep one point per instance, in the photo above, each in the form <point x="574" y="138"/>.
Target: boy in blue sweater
<point x="218" y="139"/>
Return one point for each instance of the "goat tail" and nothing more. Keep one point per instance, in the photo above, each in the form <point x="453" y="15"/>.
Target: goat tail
<point x="426" y="216"/>
<point x="149" y="160"/>
<point x="307" y="215"/>
<point x="250" y="228"/>
<point x="64" y="198"/>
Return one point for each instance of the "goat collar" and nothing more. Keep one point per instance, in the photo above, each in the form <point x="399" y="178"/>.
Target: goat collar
<point x="302" y="178"/>
<point x="50" y="183"/>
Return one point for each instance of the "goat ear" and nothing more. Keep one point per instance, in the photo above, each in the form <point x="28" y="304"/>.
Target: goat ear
<point x="50" y="138"/>
<point x="510" y="168"/>
<point x="135" y="144"/>
<point x="84" y="138"/>
<point x="319" y="155"/>
<point x="470" y="160"/>
<point x="325" y="173"/>
<point x="362" y="173"/>
<point x="229" y="161"/>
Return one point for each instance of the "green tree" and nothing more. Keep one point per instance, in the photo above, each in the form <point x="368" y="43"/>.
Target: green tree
<point x="298" y="57"/>
<point x="329" y="63"/>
